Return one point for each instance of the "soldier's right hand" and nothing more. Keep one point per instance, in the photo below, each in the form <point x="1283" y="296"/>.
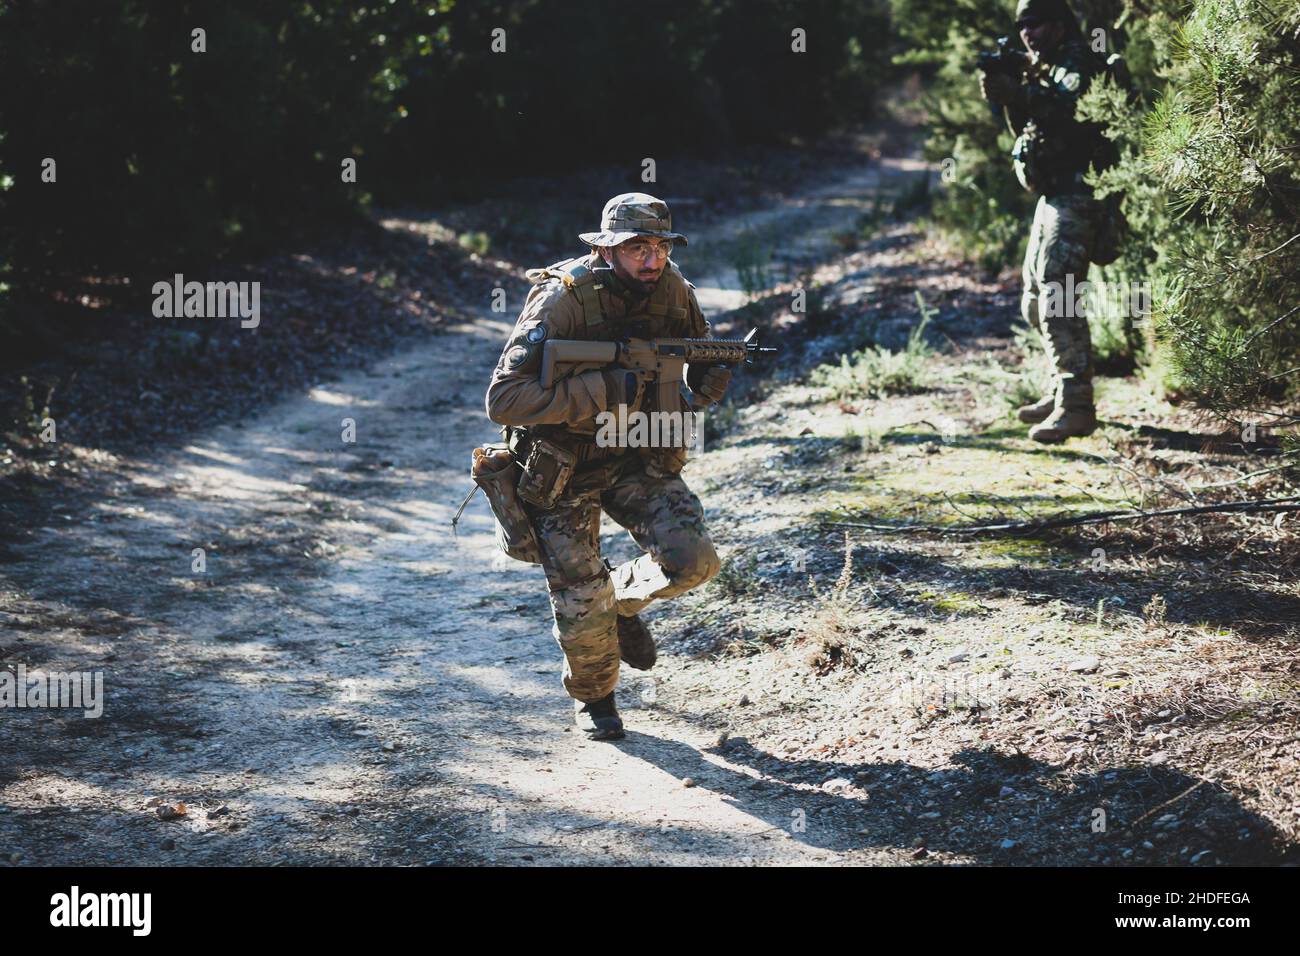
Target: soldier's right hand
<point x="624" y="386"/>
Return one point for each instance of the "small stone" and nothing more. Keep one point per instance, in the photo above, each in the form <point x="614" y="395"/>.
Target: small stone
<point x="1158" y="759"/>
<point x="722" y="739"/>
<point x="958" y="657"/>
<point x="836" y="784"/>
<point x="221" y="811"/>
<point x="744" y="700"/>
<point x="1084" y="665"/>
<point x="1200" y="856"/>
<point x="389" y="746"/>
<point x="1007" y="844"/>
<point x="688" y="782"/>
<point x="919" y="841"/>
<point x="169" y="812"/>
<point x="1006" y="792"/>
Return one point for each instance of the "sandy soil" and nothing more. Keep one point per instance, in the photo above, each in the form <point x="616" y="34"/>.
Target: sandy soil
<point x="349" y="682"/>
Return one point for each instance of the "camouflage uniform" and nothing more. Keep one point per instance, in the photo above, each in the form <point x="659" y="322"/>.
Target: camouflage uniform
<point x="640" y="488"/>
<point x="1052" y="153"/>
<point x="664" y="517"/>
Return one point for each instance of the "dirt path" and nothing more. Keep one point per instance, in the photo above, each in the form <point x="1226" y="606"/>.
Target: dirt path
<point x="345" y="681"/>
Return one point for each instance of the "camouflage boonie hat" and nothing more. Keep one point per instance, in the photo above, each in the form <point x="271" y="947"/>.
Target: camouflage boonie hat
<point x="633" y="214"/>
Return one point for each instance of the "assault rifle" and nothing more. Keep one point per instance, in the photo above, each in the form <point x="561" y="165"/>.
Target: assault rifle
<point x="663" y="358"/>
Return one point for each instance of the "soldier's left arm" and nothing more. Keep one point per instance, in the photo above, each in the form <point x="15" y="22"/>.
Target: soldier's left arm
<point x="697" y="324"/>
<point x="707" y="382"/>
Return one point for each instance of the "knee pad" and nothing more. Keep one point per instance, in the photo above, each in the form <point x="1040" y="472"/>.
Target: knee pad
<point x="704" y="564"/>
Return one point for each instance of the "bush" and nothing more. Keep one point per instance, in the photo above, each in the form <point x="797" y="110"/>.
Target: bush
<point x="875" y="372"/>
<point x="1209" y="175"/>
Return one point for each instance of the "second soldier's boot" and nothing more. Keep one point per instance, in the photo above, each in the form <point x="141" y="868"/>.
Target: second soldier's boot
<point x="1037" y="412"/>
<point x="635" y="644"/>
<point x="599" y="719"/>
<point x="1073" y="416"/>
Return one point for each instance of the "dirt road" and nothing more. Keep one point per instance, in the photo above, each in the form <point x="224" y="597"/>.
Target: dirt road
<point x="343" y="681"/>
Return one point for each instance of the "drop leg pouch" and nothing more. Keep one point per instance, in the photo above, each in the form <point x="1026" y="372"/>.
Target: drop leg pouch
<point x="498" y="476"/>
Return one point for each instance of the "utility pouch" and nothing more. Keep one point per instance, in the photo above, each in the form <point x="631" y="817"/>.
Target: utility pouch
<point x="494" y="471"/>
<point x="547" y="471"/>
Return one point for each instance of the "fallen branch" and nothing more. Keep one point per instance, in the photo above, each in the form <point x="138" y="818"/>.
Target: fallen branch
<point x="1092" y="517"/>
<point x="1154" y="810"/>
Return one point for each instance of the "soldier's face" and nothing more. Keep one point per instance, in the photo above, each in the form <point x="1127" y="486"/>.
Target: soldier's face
<point x="1041" y="36"/>
<point x="632" y="268"/>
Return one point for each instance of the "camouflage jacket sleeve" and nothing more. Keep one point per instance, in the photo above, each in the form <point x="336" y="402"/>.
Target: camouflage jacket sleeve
<point x="697" y="324"/>
<point x="515" y="397"/>
<point x="697" y="327"/>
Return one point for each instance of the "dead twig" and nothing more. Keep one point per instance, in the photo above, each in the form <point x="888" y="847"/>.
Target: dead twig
<point x="1172" y="800"/>
<point x="1094" y="517"/>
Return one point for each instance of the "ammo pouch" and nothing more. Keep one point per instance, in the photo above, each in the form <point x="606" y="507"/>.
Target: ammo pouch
<point x="514" y="530"/>
<point x="548" y="468"/>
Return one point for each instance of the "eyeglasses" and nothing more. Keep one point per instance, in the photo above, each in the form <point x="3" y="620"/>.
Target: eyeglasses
<point x="641" y="251"/>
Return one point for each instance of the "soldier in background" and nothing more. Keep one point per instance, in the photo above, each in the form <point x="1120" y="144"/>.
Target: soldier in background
<point x="1052" y="153"/>
<point x="627" y="287"/>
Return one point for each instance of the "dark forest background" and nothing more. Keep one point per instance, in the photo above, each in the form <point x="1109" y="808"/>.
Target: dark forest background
<point x="169" y="159"/>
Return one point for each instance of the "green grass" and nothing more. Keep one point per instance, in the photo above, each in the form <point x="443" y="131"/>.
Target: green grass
<point x="875" y="371"/>
<point x="750" y="255"/>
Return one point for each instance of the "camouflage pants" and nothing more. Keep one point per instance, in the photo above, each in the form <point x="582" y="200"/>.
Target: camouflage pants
<point x="665" y="519"/>
<point x="1059" y="246"/>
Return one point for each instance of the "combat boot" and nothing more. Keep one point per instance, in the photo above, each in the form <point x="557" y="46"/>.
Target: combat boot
<point x="1074" y="415"/>
<point x="1037" y="412"/>
<point x="599" y="719"/>
<point x="635" y="645"/>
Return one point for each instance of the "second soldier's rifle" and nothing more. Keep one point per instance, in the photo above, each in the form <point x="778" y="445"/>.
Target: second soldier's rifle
<point x="663" y="358"/>
<point x="1006" y="60"/>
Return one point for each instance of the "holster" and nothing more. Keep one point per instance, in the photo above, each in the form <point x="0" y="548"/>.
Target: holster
<point x="547" y="467"/>
<point x="555" y="463"/>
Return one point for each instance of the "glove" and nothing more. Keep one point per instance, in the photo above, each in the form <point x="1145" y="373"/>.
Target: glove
<point x="998" y="88"/>
<point x="712" y="384"/>
<point x="623" y="386"/>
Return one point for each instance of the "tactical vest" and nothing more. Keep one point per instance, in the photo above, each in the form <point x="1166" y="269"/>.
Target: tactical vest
<point x="649" y="318"/>
<point x="584" y="283"/>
